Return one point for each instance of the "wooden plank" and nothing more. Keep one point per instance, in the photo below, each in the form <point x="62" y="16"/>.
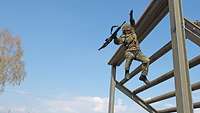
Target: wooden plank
<point x="192" y="37"/>
<point x="195" y="86"/>
<point x="194" y="62"/>
<point x="135" y="98"/>
<point x="173" y="109"/>
<point x="191" y="26"/>
<point x="181" y="67"/>
<point x="112" y="90"/>
<point x="192" y="32"/>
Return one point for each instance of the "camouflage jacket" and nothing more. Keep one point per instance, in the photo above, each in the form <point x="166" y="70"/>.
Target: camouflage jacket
<point x="129" y="40"/>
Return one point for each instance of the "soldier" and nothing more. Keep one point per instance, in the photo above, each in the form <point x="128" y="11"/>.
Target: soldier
<point x="133" y="52"/>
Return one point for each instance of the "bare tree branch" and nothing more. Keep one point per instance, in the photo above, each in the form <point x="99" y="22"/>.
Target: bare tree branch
<point x="11" y="63"/>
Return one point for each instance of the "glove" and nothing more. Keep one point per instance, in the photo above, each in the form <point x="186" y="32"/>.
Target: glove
<point x="131" y="13"/>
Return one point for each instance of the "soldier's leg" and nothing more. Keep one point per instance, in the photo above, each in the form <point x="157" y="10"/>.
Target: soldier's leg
<point x="129" y="58"/>
<point x="145" y="66"/>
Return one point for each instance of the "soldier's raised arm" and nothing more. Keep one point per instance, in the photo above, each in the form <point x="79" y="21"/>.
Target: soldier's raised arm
<point x="119" y="40"/>
<point x="132" y="20"/>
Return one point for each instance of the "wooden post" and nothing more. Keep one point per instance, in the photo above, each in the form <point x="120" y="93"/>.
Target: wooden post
<point x="112" y="90"/>
<point x="181" y="68"/>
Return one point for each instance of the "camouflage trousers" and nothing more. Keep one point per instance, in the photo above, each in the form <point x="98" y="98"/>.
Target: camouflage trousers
<point x="137" y="55"/>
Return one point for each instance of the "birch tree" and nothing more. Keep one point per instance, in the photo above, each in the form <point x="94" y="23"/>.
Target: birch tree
<point x="11" y="62"/>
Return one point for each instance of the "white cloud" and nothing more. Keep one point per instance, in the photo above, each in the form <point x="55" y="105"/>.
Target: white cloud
<point x="2" y="108"/>
<point x="16" y="109"/>
<point x="85" y="105"/>
<point x="79" y="104"/>
<point x="19" y="109"/>
<point x="197" y="111"/>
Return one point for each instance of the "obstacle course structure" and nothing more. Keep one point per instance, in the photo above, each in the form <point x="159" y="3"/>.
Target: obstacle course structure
<point x="181" y="29"/>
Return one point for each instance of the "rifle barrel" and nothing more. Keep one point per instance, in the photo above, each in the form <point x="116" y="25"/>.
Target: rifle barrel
<point x="108" y="40"/>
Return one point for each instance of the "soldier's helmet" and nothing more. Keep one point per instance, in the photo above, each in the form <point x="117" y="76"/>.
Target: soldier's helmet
<point x="126" y="27"/>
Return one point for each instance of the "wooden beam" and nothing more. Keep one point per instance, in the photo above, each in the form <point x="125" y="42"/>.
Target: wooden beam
<point x="191" y="26"/>
<point x="195" y="86"/>
<point x="112" y="90"/>
<point x="192" y="36"/>
<point x="173" y="109"/>
<point x="194" y="62"/>
<point x="135" y="98"/>
<point x="181" y="67"/>
<point x="192" y="32"/>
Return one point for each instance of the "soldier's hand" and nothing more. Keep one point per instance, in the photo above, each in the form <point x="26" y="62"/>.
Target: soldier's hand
<point x="131" y="13"/>
<point x="115" y="36"/>
<point x="126" y="42"/>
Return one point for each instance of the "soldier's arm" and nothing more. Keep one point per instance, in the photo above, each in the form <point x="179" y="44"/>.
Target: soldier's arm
<point x="132" y="20"/>
<point x="119" y="40"/>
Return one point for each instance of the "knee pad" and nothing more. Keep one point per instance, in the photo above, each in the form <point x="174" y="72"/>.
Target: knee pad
<point x="129" y="55"/>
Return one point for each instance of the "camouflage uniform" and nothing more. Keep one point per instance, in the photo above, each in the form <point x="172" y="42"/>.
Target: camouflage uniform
<point x="133" y="52"/>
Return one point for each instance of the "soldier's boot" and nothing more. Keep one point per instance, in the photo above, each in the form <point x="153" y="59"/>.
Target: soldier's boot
<point x="143" y="76"/>
<point x="127" y="75"/>
<point x="144" y="79"/>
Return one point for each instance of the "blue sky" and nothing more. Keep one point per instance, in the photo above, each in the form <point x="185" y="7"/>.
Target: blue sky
<point x="64" y="69"/>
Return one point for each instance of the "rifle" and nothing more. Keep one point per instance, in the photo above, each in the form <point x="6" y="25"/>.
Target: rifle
<point x="113" y="35"/>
